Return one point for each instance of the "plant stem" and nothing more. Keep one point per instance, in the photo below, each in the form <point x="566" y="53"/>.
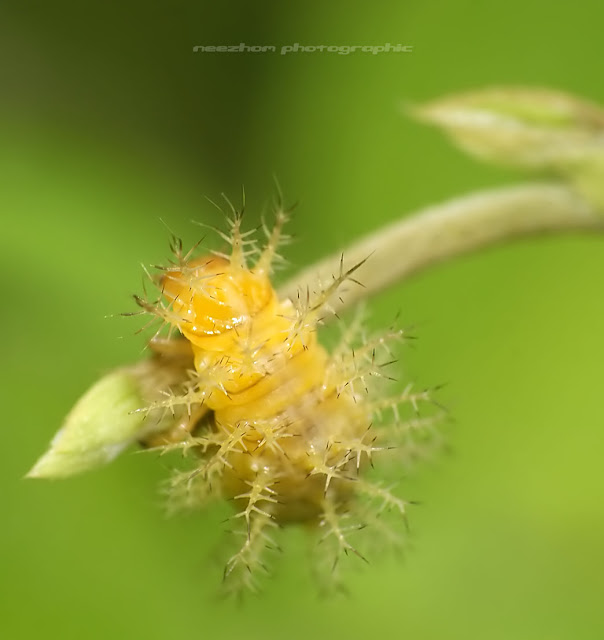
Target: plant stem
<point x="443" y="231"/>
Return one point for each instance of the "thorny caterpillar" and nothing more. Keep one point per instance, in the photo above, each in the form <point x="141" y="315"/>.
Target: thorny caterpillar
<point x="278" y="425"/>
<point x="275" y="423"/>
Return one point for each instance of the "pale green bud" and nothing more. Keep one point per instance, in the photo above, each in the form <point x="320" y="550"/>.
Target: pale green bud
<point x="108" y="418"/>
<point x="527" y="128"/>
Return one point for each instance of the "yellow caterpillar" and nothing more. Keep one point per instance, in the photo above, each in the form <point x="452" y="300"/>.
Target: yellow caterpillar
<point x="280" y="426"/>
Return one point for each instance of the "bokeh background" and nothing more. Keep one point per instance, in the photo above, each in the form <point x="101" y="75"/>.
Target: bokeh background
<point x="110" y="123"/>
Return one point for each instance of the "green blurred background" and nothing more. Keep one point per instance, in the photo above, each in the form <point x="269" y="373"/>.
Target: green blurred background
<point x="109" y="123"/>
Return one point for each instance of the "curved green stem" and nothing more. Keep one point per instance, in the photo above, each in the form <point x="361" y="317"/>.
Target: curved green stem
<point x="443" y="231"/>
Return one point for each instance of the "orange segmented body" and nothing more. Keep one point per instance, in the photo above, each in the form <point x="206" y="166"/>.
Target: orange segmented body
<point x="267" y="382"/>
<point x="287" y="428"/>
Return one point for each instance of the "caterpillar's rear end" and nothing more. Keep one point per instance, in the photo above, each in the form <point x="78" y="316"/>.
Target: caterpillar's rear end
<point x="280" y="427"/>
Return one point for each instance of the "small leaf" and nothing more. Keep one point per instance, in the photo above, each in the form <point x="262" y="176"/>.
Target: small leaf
<point x="528" y="128"/>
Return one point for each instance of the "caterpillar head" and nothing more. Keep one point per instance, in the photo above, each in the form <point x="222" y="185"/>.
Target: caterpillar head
<point x="210" y="296"/>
